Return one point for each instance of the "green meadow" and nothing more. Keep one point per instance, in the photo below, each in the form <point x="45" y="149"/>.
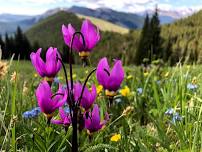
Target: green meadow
<point x="140" y="120"/>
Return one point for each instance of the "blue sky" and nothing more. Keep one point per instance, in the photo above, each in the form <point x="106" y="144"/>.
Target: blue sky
<point x="33" y="7"/>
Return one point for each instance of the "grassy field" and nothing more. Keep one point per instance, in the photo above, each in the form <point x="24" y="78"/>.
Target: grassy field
<point x="165" y="104"/>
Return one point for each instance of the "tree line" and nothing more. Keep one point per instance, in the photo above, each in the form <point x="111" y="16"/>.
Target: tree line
<point x="17" y="44"/>
<point x="20" y="46"/>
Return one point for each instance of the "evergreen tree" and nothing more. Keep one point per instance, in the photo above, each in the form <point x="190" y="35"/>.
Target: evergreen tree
<point x="27" y="48"/>
<point x="167" y="50"/>
<point x="19" y="48"/>
<point x="9" y="46"/>
<point x="156" y="50"/>
<point x="144" y="43"/>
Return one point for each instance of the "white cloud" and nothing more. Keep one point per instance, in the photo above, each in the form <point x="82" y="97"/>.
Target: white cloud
<point x="133" y="6"/>
<point x="122" y="5"/>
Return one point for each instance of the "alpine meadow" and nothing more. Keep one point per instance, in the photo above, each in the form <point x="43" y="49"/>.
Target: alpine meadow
<point x="101" y="76"/>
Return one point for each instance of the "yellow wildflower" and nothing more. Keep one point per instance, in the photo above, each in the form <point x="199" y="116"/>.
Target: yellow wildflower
<point x="35" y="75"/>
<point x="74" y="76"/>
<point x="166" y="74"/>
<point x="146" y="74"/>
<point x="86" y="71"/>
<point x="129" y="77"/>
<point x="116" y="137"/>
<point x="99" y="89"/>
<point x="125" y="92"/>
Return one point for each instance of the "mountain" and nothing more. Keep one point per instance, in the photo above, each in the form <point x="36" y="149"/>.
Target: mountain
<point x="13" y="18"/>
<point x="41" y="31"/>
<point x="127" y="20"/>
<point x="47" y="32"/>
<point x="9" y="22"/>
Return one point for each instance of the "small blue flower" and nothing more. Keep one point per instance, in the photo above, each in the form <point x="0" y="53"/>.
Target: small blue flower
<point x="66" y="109"/>
<point x="191" y="86"/>
<point x="139" y="90"/>
<point x="32" y="113"/>
<point x="176" y="117"/>
<point x="170" y="111"/>
<point x="158" y="82"/>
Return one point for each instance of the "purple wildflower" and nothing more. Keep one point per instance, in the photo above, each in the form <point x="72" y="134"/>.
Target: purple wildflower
<point x="49" y="68"/>
<point x="88" y="97"/>
<point x="46" y="101"/>
<point x="110" y="79"/>
<point x="91" y="35"/>
<point x="64" y="120"/>
<point x="93" y="123"/>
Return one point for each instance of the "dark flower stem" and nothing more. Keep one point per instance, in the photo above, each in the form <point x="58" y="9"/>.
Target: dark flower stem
<point x="61" y="94"/>
<point x="74" y="106"/>
<point x="68" y="89"/>
<point x="70" y="55"/>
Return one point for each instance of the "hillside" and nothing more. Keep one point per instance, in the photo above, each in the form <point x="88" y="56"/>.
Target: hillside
<point x="48" y="33"/>
<point x="105" y="25"/>
<point x="185" y="38"/>
<point x="127" y="20"/>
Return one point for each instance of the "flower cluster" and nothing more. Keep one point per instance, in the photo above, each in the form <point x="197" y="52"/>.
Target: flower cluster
<point x="174" y="115"/>
<point x="32" y="113"/>
<point x="83" y="111"/>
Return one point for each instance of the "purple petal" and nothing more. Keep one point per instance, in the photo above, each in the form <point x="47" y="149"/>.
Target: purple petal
<point x="93" y="123"/>
<point x="106" y="119"/>
<point x="77" y="90"/>
<point x="38" y="62"/>
<point x="116" y="76"/>
<point x="58" y="102"/>
<point x="59" y="64"/>
<point x="62" y="113"/>
<point x="43" y="95"/>
<point x="51" y="62"/>
<point x="91" y="34"/>
<point x="67" y="120"/>
<point x="88" y="98"/>
<point x="57" y="122"/>
<point x="67" y="34"/>
<point x="101" y="74"/>
<point x="96" y="115"/>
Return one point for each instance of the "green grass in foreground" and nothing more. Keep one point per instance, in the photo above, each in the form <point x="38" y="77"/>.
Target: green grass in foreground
<point x="146" y="128"/>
